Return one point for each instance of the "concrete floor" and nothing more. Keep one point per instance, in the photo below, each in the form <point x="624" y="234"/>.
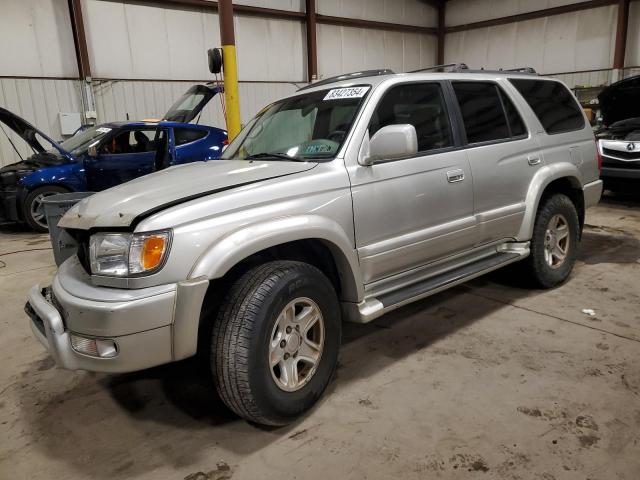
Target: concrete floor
<point x="485" y="381"/>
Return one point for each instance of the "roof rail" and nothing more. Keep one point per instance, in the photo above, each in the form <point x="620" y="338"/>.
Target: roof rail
<point x="455" y="67"/>
<point x="348" y="76"/>
<point x="522" y="70"/>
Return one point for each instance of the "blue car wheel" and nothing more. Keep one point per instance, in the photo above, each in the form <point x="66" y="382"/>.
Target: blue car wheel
<point x="33" y="209"/>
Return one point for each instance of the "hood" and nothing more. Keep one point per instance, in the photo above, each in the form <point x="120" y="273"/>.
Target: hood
<point x="28" y="132"/>
<point x="620" y="100"/>
<point x="189" y="105"/>
<point x="126" y="204"/>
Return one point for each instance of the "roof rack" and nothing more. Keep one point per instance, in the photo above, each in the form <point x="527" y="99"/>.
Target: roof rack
<point x="522" y="70"/>
<point x="348" y="76"/>
<point x="454" y="67"/>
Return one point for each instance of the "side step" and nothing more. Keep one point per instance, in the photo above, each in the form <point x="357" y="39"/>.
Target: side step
<point x="372" y="308"/>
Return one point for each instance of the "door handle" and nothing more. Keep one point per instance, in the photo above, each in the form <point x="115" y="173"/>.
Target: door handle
<point x="456" y="175"/>
<point x="533" y="160"/>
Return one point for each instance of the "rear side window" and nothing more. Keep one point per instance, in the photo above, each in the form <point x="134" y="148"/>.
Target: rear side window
<point x="421" y="105"/>
<point x="513" y="117"/>
<point x="482" y="113"/>
<point x="188" y="135"/>
<point x="553" y="104"/>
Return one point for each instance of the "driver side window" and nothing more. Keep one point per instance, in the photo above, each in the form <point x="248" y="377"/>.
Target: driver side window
<point x="421" y="105"/>
<point x="129" y="141"/>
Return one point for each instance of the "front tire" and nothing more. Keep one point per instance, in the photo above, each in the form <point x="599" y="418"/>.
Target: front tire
<point x="554" y="242"/>
<point x="33" y="209"/>
<point x="275" y="342"/>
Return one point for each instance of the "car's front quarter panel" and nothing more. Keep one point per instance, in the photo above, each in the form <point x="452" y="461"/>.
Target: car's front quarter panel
<point x="213" y="233"/>
<point x="69" y="175"/>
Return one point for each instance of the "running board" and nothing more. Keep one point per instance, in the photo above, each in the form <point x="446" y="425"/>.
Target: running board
<point x="374" y="307"/>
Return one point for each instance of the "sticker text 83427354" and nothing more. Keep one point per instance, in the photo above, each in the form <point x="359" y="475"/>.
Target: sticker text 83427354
<point x="347" y="92"/>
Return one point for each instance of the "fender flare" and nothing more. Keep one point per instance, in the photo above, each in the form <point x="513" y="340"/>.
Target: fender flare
<point x="247" y="240"/>
<point x="541" y="180"/>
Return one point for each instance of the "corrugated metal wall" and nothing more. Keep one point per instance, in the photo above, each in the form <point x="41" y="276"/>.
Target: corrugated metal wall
<point x="562" y="43"/>
<point x="348" y="49"/>
<point x="39" y="101"/>
<point x="408" y="12"/>
<point x="119" y="100"/>
<point x="36" y="39"/>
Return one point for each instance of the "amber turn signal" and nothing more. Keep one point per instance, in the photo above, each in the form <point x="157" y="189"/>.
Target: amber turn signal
<point x="152" y="251"/>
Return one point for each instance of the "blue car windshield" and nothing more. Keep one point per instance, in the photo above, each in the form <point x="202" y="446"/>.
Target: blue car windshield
<point x="80" y="142"/>
<point x="311" y="126"/>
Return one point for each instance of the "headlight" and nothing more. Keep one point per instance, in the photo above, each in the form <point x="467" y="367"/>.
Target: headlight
<point x="123" y="254"/>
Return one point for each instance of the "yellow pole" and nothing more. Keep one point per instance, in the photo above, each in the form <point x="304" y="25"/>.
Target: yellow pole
<point x="229" y="67"/>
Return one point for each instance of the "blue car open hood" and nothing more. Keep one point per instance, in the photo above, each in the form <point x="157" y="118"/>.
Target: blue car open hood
<point x="28" y="132"/>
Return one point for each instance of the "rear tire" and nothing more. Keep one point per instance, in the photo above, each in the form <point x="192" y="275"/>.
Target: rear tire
<point x="271" y="361"/>
<point x="33" y="210"/>
<point x="554" y="242"/>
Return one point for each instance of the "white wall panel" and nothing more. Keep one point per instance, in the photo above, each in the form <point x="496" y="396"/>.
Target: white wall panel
<point x="633" y="36"/>
<point x="348" y="49"/>
<point x="132" y="41"/>
<point x="39" y="101"/>
<point x="36" y="39"/>
<point x="291" y="5"/>
<point x="408" y="12"/>
<point x="469" y="11"/>
<point x="561" y="43"/>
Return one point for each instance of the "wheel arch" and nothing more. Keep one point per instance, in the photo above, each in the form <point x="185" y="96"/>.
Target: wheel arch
<point x="556" y="178"/>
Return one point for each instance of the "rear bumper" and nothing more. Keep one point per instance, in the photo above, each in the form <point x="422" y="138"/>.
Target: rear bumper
<point x="148" y="328"/>
<point x="592" y="193"/>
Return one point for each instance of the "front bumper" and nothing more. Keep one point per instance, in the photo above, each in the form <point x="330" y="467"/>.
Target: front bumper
<point x="9" y="205"/>
<point x="620" y="173"/>
<point x="149" y="327"/>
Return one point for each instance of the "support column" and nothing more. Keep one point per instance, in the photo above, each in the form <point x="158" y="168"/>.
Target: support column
<point x="621" y="40"/>
<point x="229" y="67"/>
<point x="312" y="49"/>
<point x="442" y="6"/>
<point x="82" y="59"/>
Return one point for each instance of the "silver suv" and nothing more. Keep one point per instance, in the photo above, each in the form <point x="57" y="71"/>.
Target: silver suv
<point x="349" y="199"/>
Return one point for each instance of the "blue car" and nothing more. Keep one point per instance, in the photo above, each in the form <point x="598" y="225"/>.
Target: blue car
<point x="103" y="156"/>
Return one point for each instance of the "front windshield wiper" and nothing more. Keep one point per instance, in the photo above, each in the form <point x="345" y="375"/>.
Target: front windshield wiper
<point x="276" y="155"/>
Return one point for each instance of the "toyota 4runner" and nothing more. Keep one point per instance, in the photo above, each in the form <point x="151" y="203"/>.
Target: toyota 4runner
<point x="351" y="198"/>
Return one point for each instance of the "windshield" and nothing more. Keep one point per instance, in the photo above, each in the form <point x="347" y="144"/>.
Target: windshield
<point x="312" y="126"/>
<point x="81" y="141"/>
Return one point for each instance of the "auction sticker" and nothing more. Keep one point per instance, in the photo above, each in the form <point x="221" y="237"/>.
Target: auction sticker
<point x="103" y="130"/>
<point x="347" y="92"/>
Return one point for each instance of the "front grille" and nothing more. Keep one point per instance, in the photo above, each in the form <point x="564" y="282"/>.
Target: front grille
<point x="37" y="321"/>
<point x="83" y="255"/>
<point x="613" y="163"/>
<point x="633" y="155"/>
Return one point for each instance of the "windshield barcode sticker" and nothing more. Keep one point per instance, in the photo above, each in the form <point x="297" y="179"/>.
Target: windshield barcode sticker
<point x="350" y="92"/>
<point x="103" y="130"/>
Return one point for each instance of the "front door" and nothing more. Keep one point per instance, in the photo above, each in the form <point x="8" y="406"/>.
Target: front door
<point x="126" y="155"/>
<point x="411" y="211"/>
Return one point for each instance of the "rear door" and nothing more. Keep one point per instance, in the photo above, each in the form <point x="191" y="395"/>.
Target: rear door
<point x="503" y="155"/>
<point x="411" y="211"/>
<point x="126" y="155"/>
<point x="190" y="145"/>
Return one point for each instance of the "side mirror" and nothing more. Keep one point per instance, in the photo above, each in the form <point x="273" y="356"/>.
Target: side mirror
<point x="390" y="142"/>
<point x="92" y="151"/>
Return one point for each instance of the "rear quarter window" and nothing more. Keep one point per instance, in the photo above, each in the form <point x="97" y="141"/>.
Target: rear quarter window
<point x="188" y="135"/>
<point x="554" y="105"/>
